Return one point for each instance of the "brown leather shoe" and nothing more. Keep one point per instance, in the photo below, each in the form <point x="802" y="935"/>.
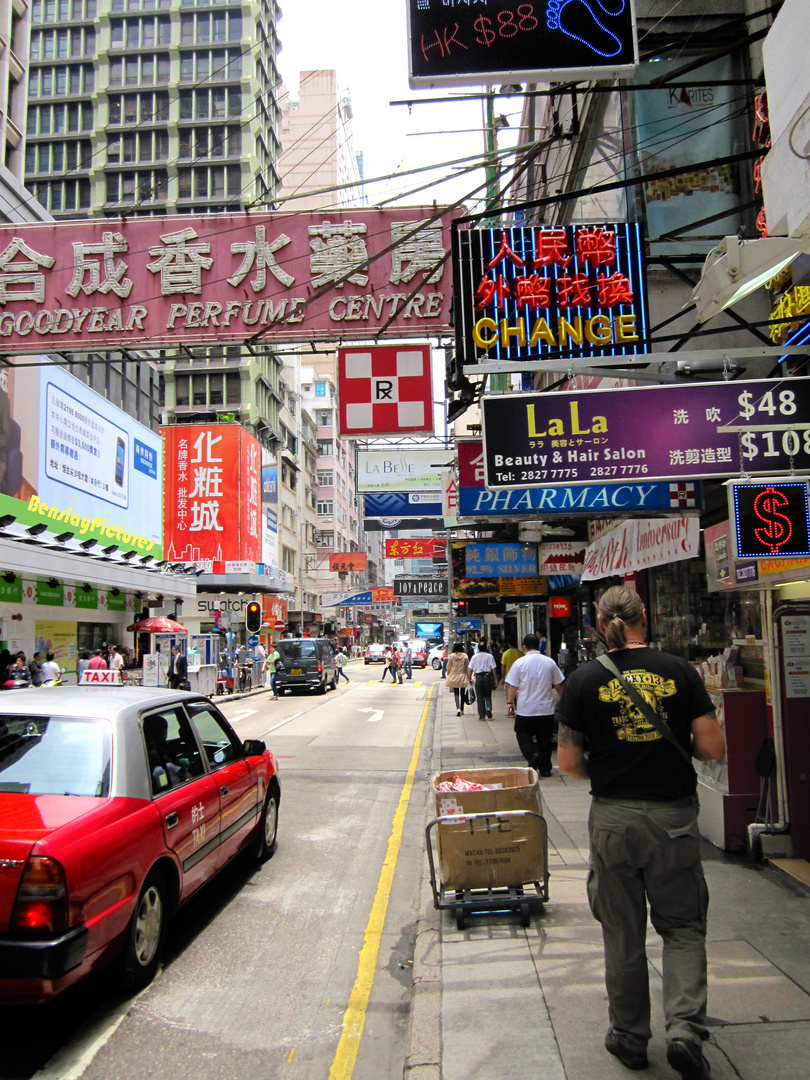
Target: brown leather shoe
<point x="687" y="1059"/>
<point x="631" y="1055"/>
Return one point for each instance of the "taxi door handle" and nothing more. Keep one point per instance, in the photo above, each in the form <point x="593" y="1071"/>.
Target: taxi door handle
<point x="225" y="791"/>
<point x="172" y="819"/>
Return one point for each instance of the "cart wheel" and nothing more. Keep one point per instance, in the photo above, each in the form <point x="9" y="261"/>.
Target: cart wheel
<point x="525" y="918"/>
<point x="460" y="921"/>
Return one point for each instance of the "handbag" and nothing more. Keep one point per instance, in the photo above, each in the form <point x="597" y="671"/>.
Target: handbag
<point x="645" y="709"/>
<point x="469" y="695"/>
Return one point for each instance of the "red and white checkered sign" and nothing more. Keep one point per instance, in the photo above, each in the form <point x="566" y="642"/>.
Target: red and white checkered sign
<point x="682" y="495"/>
<point x="385" y="390"/>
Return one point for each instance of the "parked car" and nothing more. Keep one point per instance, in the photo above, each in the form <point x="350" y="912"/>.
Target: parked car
<point x="307" y="664"/>
<point x="374" y="654"/>
<point x="116" y="805"/>
<point x="435" y="657"/>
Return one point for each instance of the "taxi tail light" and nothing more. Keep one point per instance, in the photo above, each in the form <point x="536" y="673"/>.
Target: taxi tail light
<point x="41" y="905"/>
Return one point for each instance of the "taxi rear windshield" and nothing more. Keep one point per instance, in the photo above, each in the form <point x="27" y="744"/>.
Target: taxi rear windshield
<point x="54" y="755"/>
<point x="296" y="650"/>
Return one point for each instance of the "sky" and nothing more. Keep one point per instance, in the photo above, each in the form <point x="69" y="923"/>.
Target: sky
<point x="365" y="41"/>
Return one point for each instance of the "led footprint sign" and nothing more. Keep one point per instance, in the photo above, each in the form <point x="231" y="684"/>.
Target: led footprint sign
<point x="482" y="41"/>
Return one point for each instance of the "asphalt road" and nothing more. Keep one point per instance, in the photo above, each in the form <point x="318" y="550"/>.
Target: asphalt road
<point x="300" y="968"/>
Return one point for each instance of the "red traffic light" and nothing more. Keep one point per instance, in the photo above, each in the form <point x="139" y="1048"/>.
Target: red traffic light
<point x="253" y="617"/>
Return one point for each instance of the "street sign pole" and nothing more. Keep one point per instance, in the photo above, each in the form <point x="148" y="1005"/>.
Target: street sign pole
<point x="450" y="590"/>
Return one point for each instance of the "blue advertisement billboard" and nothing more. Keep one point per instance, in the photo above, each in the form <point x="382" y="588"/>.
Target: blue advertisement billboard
<point x="77" y="463"/>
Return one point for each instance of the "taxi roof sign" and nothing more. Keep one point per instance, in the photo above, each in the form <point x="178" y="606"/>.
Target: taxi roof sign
<point x="99" y="677"/>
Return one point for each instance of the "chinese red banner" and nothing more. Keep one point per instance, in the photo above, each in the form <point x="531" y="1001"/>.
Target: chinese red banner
<point x="416" y="547"/>
<point x="211" y="493"/>
<point x="346" y="561"/>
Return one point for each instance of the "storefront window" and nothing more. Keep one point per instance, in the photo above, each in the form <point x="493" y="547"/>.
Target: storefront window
<point x="92" y="636"/>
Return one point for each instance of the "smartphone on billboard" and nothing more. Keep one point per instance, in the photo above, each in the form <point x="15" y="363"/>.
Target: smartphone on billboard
<point x="120" y="455"/>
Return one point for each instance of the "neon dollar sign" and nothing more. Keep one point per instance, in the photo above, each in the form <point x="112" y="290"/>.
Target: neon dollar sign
<point x="777" y="528"/>
<point x="484" y="27"/>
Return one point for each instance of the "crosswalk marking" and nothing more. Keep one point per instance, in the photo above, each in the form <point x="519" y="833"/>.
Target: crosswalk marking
<point x="376" y="682"/>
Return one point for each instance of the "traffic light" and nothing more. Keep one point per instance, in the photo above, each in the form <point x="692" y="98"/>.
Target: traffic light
<point x="253" y="617"/>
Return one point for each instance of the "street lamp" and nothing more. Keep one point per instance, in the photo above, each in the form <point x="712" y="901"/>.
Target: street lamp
<point x="736" y="268"/>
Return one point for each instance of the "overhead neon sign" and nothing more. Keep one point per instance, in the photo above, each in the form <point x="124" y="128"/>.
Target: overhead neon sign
<point x="771" y="518"/>
<point x="455" y="41"/>
<point x="523" y="292"/>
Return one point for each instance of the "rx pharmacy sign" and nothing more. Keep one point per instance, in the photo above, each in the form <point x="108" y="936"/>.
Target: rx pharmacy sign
<point x="649" y="433"/>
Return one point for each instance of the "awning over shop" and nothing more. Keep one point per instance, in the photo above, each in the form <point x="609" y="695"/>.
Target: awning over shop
<point x="39" y="560"/>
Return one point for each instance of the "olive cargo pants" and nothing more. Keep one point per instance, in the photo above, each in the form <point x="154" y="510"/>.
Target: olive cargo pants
<point x="646" y="852"/>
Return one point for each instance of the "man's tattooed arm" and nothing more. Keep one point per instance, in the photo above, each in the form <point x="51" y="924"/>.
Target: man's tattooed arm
<point x="571" y="752"/>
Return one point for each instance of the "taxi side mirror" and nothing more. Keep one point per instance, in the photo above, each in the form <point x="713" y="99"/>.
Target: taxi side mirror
<point x="253" y="747"/>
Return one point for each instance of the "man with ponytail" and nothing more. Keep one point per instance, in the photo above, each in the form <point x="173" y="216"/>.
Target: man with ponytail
<point x="631" y="722"/>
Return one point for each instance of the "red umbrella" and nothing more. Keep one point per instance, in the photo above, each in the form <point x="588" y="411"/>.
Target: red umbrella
<point x="159" y="624"/>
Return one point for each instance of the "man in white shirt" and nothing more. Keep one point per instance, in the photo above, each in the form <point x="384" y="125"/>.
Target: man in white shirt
<point x="486" y="679"/>
<point x="116" y="659"/>
<point x="536" y="677"/>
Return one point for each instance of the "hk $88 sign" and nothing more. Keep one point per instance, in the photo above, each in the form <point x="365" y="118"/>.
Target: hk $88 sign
<point x="648" y="433"/>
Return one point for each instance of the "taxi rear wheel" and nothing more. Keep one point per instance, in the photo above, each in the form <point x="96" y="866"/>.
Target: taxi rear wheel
<point x="147" y="933"/>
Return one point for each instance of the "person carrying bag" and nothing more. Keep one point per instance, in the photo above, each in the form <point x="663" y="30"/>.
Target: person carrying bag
<point x="459" y="676"/>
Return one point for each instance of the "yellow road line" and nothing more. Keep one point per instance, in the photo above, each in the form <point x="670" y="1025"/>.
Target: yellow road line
<point x="354" y="1017"/>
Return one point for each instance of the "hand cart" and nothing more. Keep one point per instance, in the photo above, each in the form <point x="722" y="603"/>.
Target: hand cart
<point x="465" y="897"/>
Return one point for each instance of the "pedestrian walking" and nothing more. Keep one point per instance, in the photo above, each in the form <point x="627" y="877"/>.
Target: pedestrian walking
<point x="97" y="661"/>
<point x="642" y="715"/>
<point x="459" y="676"/>
<point x="395" y="667"/>
<point x="509" y="655"/>
<point x="386" y="664"/>
<point x="116" y="660"/>
<point x="445" y="657"/>
<point x="35" y="668"/>
<point x="269" y="665"/>
<point x="533" y="679"/>
<point x="340" y="660"/>
<point x="407" y="662"/>
<point x="178" y="668"/>
<point x="485" y="670"/>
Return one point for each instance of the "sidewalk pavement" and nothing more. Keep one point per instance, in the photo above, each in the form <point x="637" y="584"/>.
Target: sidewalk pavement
<point x="496" y="1002"/>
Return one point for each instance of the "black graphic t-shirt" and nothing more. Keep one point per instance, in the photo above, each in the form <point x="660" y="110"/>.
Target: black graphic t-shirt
<point x="628" y="758"/>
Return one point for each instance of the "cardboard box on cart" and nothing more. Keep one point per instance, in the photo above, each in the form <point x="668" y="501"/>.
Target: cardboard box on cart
<point x="498" y="850"/>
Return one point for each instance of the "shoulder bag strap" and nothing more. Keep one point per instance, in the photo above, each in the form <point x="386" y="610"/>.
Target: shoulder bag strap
<point x="646" y="711"/>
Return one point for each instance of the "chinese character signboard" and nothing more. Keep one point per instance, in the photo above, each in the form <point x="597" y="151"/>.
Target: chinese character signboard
<point x="522" y="293"/>
<point x="212" y="493"/>
<point x="633" y="435"/>
<point x="224" y="277"/>
<point x="385" y="390"/>
<point x="632" y="497"/>
<point x="346" y="561"/>
<point x="416" y="547"/>
<point x="78" y="464"/>
<point x="501" y="560"/>
<point x="454" y="41"/>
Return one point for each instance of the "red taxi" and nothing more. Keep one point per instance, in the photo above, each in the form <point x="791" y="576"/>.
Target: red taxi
<point x="116" y="805"/>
